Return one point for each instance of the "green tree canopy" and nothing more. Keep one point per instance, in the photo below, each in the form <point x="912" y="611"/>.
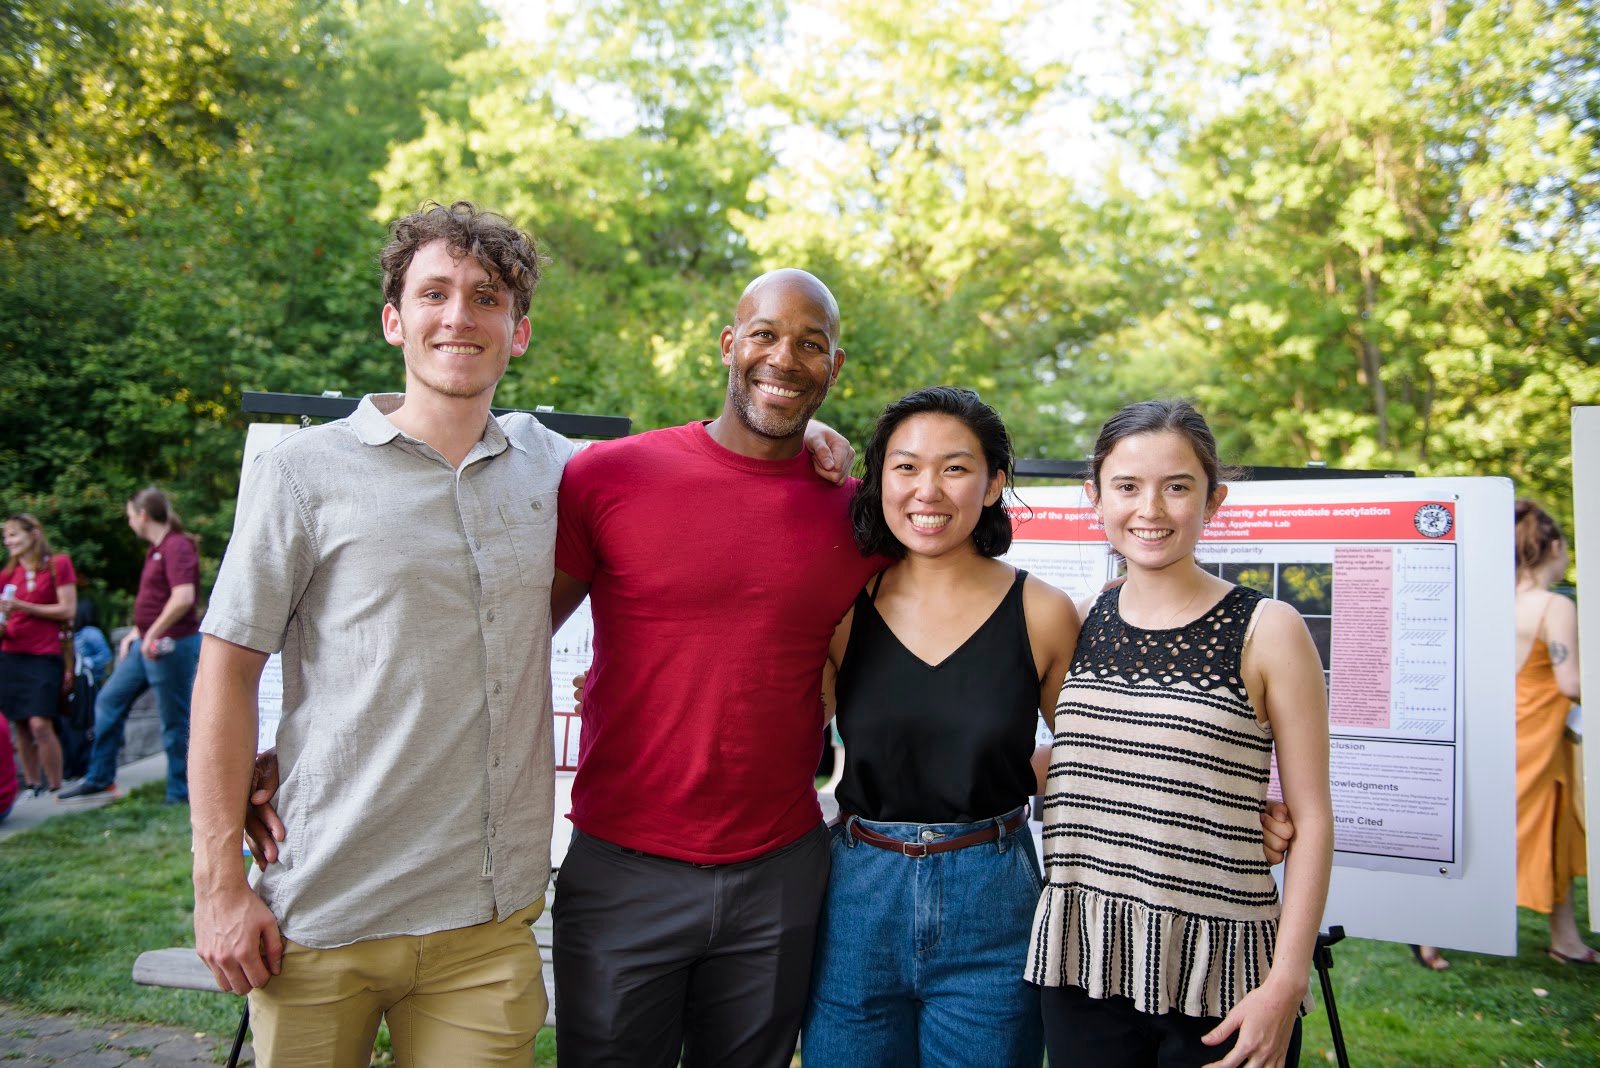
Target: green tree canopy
<point x="1378" y="225"/>
<point x="1362" y="233"/>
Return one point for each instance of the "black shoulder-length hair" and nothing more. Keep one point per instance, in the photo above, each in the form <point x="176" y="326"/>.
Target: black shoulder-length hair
<point x="992" y="536"/>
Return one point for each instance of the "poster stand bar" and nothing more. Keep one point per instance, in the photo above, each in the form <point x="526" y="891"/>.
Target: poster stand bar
<point x="1078" y="470"/>
<point x="309" y="406"/>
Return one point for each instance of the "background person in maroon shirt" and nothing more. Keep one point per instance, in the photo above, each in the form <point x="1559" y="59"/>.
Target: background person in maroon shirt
<point x="158" y="654"/>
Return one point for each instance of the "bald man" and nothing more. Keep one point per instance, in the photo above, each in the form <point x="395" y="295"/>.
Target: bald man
<point x="716" y="564"/>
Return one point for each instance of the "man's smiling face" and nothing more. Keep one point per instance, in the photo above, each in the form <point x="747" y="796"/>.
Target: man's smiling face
<point x="781" y="354"/>
<point x="455" y="323"/>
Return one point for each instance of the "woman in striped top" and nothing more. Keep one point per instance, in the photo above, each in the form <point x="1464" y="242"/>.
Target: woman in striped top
<point x="1158" y="939"/>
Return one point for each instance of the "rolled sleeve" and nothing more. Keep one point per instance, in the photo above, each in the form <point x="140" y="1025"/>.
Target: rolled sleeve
<point x="269" y="562"/>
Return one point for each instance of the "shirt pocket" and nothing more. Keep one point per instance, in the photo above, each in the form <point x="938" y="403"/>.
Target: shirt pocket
<point x="531" y="527"/>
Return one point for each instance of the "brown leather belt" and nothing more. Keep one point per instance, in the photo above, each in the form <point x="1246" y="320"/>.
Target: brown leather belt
<point x="868" y="836"/>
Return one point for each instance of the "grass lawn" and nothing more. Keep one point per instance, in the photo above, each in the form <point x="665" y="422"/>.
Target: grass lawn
<point x="83" y="894"/>
<point x="1486" y="1010"/>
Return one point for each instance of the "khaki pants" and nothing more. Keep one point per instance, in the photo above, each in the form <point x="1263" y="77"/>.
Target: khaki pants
<point x="472" y="996"/>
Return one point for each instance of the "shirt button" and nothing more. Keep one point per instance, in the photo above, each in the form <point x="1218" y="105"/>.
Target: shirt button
<point x="497" y="690"/>
<point x="497" y="762"/>
<point x="491" y="615"/>
<point x="493" y="831"/>
<point x="477" y="543"/>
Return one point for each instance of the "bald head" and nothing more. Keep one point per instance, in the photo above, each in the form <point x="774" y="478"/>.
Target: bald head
<point x="782" y="354"/>
<point x="786" y="279"/>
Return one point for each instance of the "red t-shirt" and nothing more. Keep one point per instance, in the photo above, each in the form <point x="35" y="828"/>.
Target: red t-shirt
<point x="26" y="632"/>
<point x="715" y="581"/>
<point x="172" y="563"/>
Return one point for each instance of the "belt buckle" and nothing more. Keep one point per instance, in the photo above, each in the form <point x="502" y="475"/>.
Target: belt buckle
<point x="914" y="849"/>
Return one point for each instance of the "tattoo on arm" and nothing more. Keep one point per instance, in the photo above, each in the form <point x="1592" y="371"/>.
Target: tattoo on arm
<point x="1558" y="653"/>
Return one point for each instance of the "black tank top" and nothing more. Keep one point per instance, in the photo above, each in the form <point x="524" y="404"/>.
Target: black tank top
<point x="937" y="744"/>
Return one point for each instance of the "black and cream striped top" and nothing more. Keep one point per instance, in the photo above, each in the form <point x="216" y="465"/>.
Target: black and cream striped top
<point x="1156" y="887"/>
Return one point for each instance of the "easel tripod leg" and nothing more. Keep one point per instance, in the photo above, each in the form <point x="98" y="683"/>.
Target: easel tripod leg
<point x="1323" y="959"/>
<point x="238" y="1037"/>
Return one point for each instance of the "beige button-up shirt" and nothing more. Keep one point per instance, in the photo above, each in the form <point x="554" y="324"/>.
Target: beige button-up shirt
<point x="411" y="602"/>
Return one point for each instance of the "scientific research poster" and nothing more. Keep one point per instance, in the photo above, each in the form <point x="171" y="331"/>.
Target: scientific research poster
<point x="1376" y="582"/>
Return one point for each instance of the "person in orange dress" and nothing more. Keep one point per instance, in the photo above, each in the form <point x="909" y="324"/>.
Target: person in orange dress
<point x="1550" y="843"/>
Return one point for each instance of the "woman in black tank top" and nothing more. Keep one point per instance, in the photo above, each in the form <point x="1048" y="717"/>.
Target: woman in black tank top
<point x="939" y="675"/>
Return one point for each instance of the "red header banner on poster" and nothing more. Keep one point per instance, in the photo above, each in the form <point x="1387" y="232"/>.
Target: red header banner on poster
<point x="1386" y="521"/>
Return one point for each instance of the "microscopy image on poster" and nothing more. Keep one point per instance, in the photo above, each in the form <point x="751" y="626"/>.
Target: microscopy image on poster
<point x="1308" y="587"/>
<point x="1259" y="577"/>
<point x="1376" y="583"/>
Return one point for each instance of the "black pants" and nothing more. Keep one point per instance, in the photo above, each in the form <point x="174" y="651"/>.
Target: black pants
<point x="1111" y="1033"/>
<point x="655" y="958"/>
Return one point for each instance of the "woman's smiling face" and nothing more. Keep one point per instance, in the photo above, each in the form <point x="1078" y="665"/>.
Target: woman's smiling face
<point x="1152" y="499"/>
<point x="936" y="483"/>
<point x="19" y="539"/>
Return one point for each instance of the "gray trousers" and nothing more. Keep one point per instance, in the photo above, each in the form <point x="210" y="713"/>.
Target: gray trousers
<point x="657" y="959"/>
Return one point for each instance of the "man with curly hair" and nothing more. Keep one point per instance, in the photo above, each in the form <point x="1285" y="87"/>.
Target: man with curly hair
<point x="401" y="560"/>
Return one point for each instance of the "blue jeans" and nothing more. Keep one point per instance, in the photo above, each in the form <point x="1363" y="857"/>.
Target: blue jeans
<point x="172" y="678"/>
<point x="925" y="954"/>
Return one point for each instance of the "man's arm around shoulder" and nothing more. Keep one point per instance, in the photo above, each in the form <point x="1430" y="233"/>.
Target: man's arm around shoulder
<point x="234" y="931"/>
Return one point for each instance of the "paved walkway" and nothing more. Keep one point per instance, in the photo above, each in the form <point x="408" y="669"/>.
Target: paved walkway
<point x="31" y="1041"/>
<point x="30" y="811"/>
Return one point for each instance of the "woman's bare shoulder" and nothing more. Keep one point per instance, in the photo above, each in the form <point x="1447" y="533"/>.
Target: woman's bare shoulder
<point x="1037" y="592"/>
<point x="1278" y="619"/>
<point x="1532" y="606"/>
<point x="1049" y="612"/>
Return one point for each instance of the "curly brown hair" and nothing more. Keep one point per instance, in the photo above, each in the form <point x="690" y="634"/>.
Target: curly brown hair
<point x="505" y="251"/>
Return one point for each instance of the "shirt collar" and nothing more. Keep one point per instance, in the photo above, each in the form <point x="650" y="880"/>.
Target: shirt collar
<point x="371" y="423"/>
<point x="370" y="420"/>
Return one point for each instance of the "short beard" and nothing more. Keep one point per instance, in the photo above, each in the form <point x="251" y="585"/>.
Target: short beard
<point x="765" y="424"/>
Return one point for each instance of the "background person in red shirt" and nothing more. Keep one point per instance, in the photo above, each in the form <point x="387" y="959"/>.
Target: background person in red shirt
<point x="158" y="654"/>
<point x="38" y="593"/>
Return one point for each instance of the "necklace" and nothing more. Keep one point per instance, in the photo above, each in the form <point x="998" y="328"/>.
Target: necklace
<point x="1167" y="625"/>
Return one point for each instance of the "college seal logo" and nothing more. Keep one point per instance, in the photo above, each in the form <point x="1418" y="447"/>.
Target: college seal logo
<point x="1433" y="521"/>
